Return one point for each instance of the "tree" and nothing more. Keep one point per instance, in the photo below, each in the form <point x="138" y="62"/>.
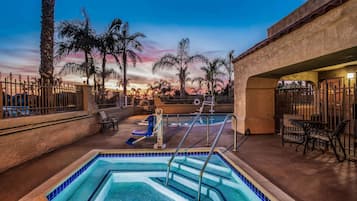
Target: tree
<point x="228" y="64"/>
<point x="212" y="71"/>
<point x="181" y="62"/>
<point x="77" y="36"/>
<point x="106" y="44"/>
<point x="47" y="39"/>
<point x="127" y="46"/>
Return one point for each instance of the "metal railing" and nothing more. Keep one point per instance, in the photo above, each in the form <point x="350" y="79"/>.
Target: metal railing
<point x="331" y="101"/>
<point x="179" y="146"/>
<point x="235" y="147"/>
<point x="214" y="144"/>
<point x="185" y="117"/>
<point x="27" y="96"/>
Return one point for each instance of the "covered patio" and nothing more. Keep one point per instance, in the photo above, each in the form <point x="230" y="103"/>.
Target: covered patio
<point x="315" y="176"/>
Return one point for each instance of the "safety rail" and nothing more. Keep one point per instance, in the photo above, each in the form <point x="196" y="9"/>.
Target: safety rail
<point x="207" y="115"/>
<point x="214" y="144"/>
<point x="179" y="146"/>
<point x="235" y="147"/>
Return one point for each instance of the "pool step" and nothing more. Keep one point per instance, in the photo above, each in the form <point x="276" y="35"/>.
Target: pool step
<point x="191" y="183"/>
<point x="193" y="173"/>
<point x="180" y="189"/>
<point x="213" y="164"/>
<point x="210" y="168"/>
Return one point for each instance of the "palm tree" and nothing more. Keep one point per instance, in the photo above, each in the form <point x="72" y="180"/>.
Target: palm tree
<point x="180" y="62"/>
<point x="228" y="64"/>
<point x="47" y="41"/>
<point x="212" y="71"/>
<point x="128" y="44"/>
<point x="105" y="44"/>
<point x="77" y="36"/>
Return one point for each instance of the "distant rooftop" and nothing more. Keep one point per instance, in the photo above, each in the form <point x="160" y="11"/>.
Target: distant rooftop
<point x="302" y="15"/>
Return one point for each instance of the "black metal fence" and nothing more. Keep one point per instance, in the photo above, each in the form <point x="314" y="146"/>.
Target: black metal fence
<point x="331" y="102"/>
<point x="190" y="99"/>
<point x="26" y="96"/>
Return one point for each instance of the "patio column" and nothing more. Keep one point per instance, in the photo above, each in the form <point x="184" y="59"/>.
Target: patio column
<point x="255" y="104"/>
<point x="260" y="105"/>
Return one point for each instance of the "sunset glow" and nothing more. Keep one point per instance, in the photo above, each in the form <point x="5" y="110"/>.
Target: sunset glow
<point x="214" y="28"/>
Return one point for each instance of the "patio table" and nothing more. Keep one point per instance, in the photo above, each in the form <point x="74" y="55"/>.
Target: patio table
<point x="308" y="126"/>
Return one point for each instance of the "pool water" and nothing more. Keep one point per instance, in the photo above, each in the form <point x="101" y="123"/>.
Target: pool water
<point x="187" y="120"/>
<point x="143" y="178"/>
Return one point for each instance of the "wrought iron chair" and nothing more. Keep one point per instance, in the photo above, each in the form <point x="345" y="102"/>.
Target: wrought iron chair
<point x="331" y="137"/>
<point x="291" y="133"/>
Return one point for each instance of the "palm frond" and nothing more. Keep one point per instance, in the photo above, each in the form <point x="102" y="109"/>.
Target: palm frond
<point x="167" y="61"/>
<point x="196" y="58"/>
<point x="72" y="68"/>
<point x="133" y="57"/>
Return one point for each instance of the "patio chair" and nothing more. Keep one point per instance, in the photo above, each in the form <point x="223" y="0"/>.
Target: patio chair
<point x="332" y="137"/>
<point x="291" y="133"/>
<point x="143" y="133"/>
<point x="105" y="120"/>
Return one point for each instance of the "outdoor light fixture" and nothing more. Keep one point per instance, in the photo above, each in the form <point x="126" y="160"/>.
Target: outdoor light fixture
<point x="350" y="75"/>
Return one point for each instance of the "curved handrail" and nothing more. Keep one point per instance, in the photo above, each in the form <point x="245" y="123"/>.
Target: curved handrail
<point x="179" y="146"/>
<point x="210" y="154"/>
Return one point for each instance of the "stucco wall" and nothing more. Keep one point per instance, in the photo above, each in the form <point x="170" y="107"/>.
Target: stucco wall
<point x="34" y="136"/>
<point x="18" y="147"/>
<point x="334" y="31"/>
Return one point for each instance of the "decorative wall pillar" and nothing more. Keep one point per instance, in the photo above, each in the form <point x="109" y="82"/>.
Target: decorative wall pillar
<point x="88" y="99"/>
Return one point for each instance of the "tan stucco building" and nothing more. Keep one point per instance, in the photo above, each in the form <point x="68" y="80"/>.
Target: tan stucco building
<point x="315" y="42"/>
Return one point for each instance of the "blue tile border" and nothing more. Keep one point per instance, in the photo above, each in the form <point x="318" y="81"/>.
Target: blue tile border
<point x="50" y="196"/>
<point x="251" y="186"/>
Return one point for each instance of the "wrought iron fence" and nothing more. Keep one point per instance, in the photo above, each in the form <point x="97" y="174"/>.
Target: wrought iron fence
<point x="331" y="102"/>
<point x="190" y="99"/>
<point x="26" y="96"/>
<point x="106" y="99"/>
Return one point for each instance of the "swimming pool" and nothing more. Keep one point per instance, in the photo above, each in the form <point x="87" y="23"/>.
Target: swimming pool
<point x="132" y="175"/>
<point x="186" y="119"/>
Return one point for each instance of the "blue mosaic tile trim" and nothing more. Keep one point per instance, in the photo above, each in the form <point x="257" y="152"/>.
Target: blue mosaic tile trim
<point x="69" y="180"/>
<point x="246" y="181"/>
<point x="163" y="154"/>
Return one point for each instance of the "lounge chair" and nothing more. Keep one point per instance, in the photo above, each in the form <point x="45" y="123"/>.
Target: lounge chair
<point x="143" y="133"/>
<point x="105" y="120"/>
<point x="332" y="137"/>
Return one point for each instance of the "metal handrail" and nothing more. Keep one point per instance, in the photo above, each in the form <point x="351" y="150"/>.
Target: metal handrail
<point x="235" y="134"/>
<point x="179" y="146"/>
<point x="210" y="154"/>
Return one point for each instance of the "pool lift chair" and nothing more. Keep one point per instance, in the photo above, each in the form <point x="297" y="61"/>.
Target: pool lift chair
<point x="155" y="127"/>
<point x="209" y="101"/>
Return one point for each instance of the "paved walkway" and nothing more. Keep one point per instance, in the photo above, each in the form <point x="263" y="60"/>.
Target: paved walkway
<point x="313" y="177"/>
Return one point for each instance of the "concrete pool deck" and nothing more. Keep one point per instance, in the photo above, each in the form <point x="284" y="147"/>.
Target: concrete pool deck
<point x="315" y="176"/>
